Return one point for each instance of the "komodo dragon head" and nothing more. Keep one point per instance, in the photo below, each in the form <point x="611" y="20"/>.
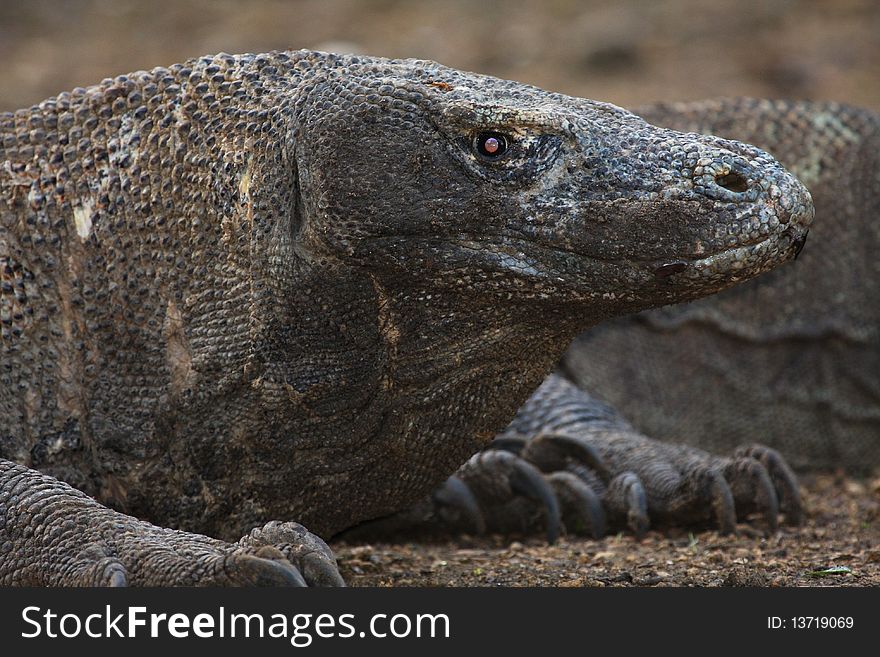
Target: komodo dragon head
<point x="498" y="189"/>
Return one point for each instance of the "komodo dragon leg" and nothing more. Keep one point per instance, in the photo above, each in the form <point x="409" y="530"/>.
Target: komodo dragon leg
<point x="89" y="544"/>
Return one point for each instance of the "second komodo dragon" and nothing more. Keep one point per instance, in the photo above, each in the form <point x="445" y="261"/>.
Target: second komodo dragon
<point x="305" y="287"/>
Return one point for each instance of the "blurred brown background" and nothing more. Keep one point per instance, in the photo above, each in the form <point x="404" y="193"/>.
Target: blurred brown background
<point x="624" y="51"/>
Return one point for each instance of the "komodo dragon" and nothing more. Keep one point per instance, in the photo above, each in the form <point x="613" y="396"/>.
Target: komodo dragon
<point x="305" y="287"/>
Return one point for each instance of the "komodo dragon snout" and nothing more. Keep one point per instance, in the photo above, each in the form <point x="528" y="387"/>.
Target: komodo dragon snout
<point x="534" y="194"/>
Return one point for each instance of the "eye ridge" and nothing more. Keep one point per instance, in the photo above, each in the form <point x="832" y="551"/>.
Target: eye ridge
<point x="491" y="145"/>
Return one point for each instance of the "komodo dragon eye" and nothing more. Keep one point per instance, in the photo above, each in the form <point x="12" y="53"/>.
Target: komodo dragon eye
<point x="490" y="145"/>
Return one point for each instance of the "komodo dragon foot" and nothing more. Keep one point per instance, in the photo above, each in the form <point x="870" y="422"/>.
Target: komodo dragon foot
<point x="568" y="460"/>
<point x="604" y="472"/>
<point x="65" y="538"/>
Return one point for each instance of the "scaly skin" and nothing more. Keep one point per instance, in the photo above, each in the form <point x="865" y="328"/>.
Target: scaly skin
<point x="302" y="287"/>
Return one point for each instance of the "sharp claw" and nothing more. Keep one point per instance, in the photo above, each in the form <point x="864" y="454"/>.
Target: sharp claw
<point x="118" y="578"/>
<point x="526" y="480"/>
<point x="766" y="497"/>
<point x="722" y="502"/>
<point x="318" y="571"/>
<point x="456" y="493"/>
<point x="251" y="570"/>
<point x="784" y="480"/>
<point x="576" y="495"/>
<point x="637" y="505"/>
<point x="627" y="489"/>
<point x="112" y="573"/>
<point x="760" y="492"/>
<point x="102" y="570"/>
<point x="549" y="451"/>
<point x="286" y="574"/>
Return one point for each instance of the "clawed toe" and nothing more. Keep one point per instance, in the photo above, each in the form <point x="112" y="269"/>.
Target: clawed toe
<point x="752" y="489"/>
<point x="310" y="560"/>
<point x="265" y="568"/>
<point x="721" y="501"/>
<point x="454" y="493"/>
<point x="582" y="510"/>
<point x="107" y="571"/>
<point x="784" y="480"/>
<point x="497" y="477"/>
<point x="626" y="497"/>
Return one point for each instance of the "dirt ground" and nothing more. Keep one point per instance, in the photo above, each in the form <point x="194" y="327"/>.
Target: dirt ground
<point x="624" y="51"/>
<point x="838" y="546"/>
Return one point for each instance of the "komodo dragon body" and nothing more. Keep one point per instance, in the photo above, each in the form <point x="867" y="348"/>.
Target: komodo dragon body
<point x="299" y="286"/>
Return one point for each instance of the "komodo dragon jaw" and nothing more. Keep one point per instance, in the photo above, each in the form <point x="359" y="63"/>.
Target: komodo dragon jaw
<point x="578" y="201"/>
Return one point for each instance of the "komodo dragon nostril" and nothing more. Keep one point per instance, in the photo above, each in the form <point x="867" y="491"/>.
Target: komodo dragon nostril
<point x="733" y="182"/>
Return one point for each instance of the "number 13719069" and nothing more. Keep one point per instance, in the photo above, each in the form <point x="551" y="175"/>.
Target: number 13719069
<point x="810" y="622"/>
